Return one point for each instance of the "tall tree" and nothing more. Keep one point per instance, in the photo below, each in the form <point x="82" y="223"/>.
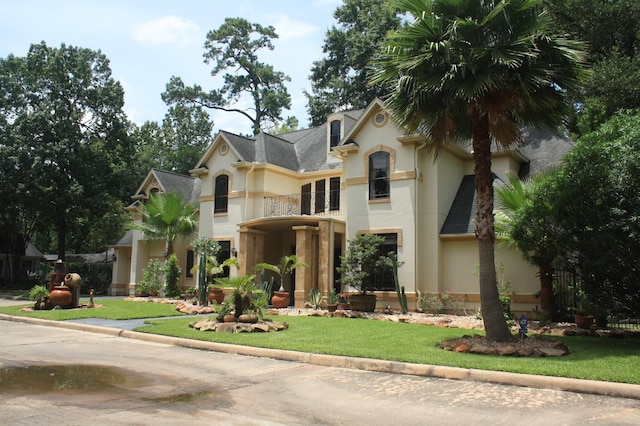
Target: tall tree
<point x="235" y="46"/>
<point x="597" y="206"/>
<point x="611" y="29"/>
<point x="167" y="217"/>
<point x="525" y="221"/>
<point x="178" y="144"/>
<point x="64" y="136"/>
<point x="478" y="69"/>
<point x="339" y="80"/>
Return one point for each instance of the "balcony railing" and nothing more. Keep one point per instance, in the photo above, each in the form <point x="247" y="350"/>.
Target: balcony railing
<point x="312" y="204"/>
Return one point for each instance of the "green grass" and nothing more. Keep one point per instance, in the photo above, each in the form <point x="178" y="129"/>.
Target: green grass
<point x="613" y="360"/>
<point x="111" y="309"/>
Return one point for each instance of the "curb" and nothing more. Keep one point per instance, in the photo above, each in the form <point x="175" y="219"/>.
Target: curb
<point x="620" y="390"/>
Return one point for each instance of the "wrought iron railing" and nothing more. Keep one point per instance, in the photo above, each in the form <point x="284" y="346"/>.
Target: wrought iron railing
<point x="309" y="203"/>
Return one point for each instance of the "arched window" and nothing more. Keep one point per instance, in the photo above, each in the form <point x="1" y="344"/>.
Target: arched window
<point x="334" y="135"/>
<point x="221" y="200"/>
<point x="379" y="175"/>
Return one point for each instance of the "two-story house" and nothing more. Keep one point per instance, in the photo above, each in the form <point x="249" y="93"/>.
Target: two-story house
<point x="310" y="191"/>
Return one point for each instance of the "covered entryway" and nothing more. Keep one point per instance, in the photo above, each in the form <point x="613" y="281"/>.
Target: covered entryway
<point x="314" y="240"/>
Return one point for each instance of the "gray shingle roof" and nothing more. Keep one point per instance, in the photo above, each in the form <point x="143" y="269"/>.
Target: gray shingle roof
<point x="187" y="186"/>
<point x="542" y="147"/>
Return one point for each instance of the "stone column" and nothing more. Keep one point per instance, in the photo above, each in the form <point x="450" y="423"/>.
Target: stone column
<point x="325" y="256"/>
<point x="304" y="253"/>
<point x="250" y="249"/>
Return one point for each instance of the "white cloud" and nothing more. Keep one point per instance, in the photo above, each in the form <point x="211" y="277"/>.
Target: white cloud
<point x="170" y="29"/>
<point x="288" y="28"/>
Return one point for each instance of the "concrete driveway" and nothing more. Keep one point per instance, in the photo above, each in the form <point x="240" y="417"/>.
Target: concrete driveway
<point x="54" y="375"/>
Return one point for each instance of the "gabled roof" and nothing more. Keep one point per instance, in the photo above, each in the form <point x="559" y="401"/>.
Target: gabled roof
<point x="187" y="186"/>
<point x="301" y="150"/>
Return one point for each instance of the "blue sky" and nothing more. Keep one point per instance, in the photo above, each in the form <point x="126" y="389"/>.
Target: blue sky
<point x="149" y="41"/>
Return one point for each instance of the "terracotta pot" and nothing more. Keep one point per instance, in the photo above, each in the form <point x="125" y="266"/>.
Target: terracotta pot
<point x="216" y="294"/>
<point x="363" y="302"/>
<point x="280" y="299"/>
<point x="584" y="321"/>
<point x="331" y="307"/>
<point x="73" y="280"/>
<point x="61" y="296"/>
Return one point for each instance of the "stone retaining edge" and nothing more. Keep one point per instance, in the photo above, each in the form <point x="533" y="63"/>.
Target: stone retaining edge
<point x="621" y="390"/>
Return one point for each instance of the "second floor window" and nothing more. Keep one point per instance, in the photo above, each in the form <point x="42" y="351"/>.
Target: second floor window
<point x="379" y="174"/>
<point x="334" y="193"/>
<point x="221" y="200"/>
<point x="334" y="135"/>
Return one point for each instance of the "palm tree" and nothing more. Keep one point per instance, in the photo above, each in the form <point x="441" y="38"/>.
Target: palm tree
<point x="478" y="69"/>
<point x="524" y="220"/>
<point x="286" y="266"/>
<point x="167" y="217"/>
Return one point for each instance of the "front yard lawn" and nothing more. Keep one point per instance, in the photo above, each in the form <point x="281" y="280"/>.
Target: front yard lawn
<point x="605" y="359"/>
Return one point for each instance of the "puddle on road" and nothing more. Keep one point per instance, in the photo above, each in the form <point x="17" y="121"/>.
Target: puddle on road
<point x="91" y="382"/>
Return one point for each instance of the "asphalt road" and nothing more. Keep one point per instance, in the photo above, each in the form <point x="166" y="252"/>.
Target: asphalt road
<point x="51" y="375"/>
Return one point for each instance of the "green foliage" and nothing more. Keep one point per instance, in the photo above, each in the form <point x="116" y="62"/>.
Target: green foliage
<point x="286" y="266"/>
<point x="362" y="261"/>
<point x="591" y="358"/>
<point x="245" y="295"/>
<point x="234" y="46"/>
<point x="315" y="300"/>
<point x="94" y="275"/>
<point x="402" y="297"/>
<point x="433" y="303"/>
<point x="339" y="80"/>
<point x="172" y="275"/>
<point x="167" y="217"/>
<point x="611" y="30"/>
<point x="333" y="296"/>
<point x="151" y="281"/>
<point x="112" y="309"/>
<point x="178" y="143"/>
<point x="479" y="70"/>
<point x="64" y="150"/>
<point x="38" y="292"/>
<point x="208" y="266"/>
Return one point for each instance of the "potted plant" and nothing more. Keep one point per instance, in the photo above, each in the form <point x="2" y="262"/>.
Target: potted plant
<point x="286" y="266"/>
<point x="191" y="293"/>
<point x="362" y="261"/>
<point x="151" y="282"/>
<point x="40" y="295"/>
<point x="343" y="302"/>
<point x="245" y="295"/>
<point x="332" y="303"/>
<point x="582" y="316"/>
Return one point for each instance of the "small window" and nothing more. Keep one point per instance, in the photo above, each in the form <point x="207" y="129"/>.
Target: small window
<point x="320" y="195"/>
<point x="335" y="133"/>
<point x="379" y="186"/>
<point x="221" y="200"/>
<point x="190" y="260"/>
<point x="334" y="194"/>
<point x="224" y="254"/>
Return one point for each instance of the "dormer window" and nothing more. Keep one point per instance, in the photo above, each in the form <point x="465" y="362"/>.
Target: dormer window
<point x="334" y="133"/>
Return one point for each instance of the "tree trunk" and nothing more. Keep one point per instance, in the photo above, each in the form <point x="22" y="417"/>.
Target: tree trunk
<point x="61" y="231"/>
<point x="495" y="323"/>
<point x="547" y="298"/>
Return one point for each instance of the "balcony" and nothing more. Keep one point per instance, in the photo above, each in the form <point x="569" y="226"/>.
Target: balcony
<point x="306" y="203"/>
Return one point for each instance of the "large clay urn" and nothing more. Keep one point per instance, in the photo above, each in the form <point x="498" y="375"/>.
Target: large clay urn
<point x="280" y="299"/>
<point x="60" y="296"/>
<point x="73" y="280"/>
